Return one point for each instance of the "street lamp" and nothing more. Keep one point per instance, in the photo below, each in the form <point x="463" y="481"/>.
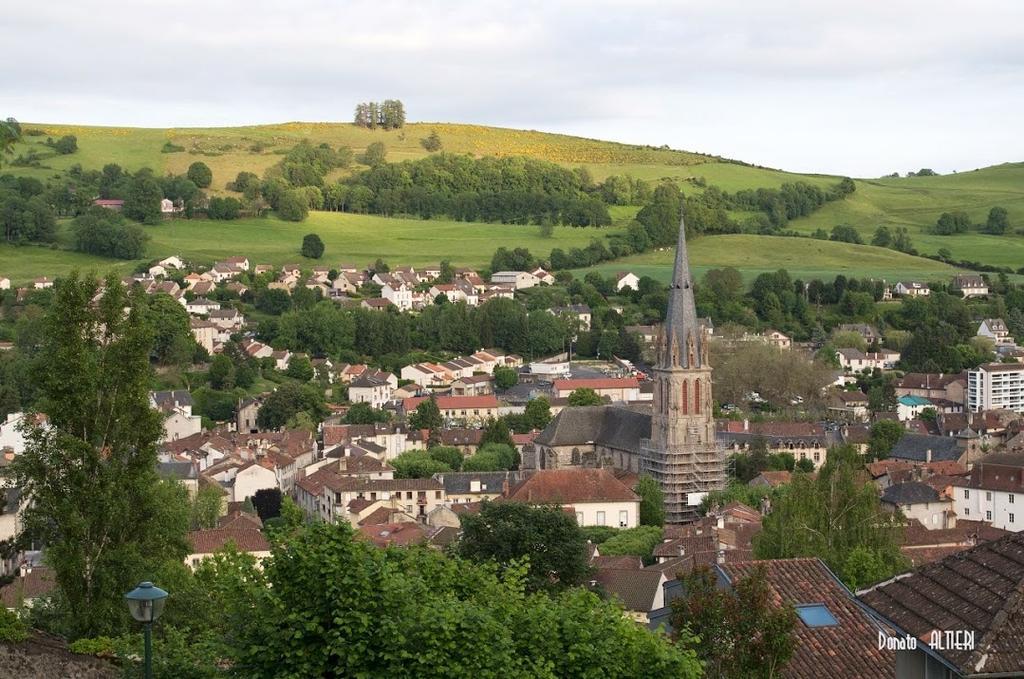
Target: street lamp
<point x="146" y="603"/>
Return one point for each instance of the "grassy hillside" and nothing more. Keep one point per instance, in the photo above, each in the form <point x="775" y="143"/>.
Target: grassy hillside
<point x="912" y="202"/>
<point x="355" y="239"/>
<point x="802" y="257"/>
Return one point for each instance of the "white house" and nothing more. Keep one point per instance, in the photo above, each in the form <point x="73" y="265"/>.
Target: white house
<point x="594" y="495"/>
<point x="172" y="262"/>
<point x="426" y="375"/>
<point x="922" y="502"/>
<point x="42" y="283"/>
<point x="5" y="283"/>
<point x="398" y="293"/>
<point x="970" y="285"/>
<point x="10" y="433"/>
<point x="910" y="407"/>
<point x="855" y="360"/>
<point x="578" y="312"/>
<point x="206" y="543"/>
<point x="993" y="386"/>
<point x="176" y="406"/>
<point x="543" y="276"/>
<point x="201" y="306"/>
<point x="627" y="279"/>
<point x="374" y="388"/>
<point x="995" y="329"/>
<point x="911" y="289"/>
<point x="990" y="492"/>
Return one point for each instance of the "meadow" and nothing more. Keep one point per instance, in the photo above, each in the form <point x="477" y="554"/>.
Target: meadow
<point x="348" y="238"/>
<point x="802" y="257"/>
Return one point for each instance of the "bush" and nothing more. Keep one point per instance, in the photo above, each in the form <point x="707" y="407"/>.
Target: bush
<point x="66" y="145"/>
<point x="12" y="628"/>
<point x="312" y="246"/>
<point x="101" y="646"/>
<point x="168" y="147"/>
<point x="293" y="205"/>
<point x="200" y="174"/>
<point x="224" y="208"/>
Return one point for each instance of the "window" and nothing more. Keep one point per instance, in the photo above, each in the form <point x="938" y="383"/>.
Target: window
<point x="967" y="494"/>
<point x="1010" y="500"/>
<point x="816" y="615"/>
<point x="967" y="511"/>
<point x="600" y="518"/>
<point x="623" y="518"/>
<point x="579" y="518"/>
<point x="686" y="396"/>
<point x="437" y="495"/>
<point x="988" y="496"/>
<point x="1011" y="518"/>
<point x="817" y="456"/>
<point x="988" y="514"/>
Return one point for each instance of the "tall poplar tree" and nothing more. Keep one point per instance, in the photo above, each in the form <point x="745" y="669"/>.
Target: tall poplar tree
<point x="89" y="473"/>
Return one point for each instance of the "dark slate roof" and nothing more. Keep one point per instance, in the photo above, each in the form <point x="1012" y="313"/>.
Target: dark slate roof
<point x="977" y="590"/>
<point x="916" y="446"/>
<point x="634" y="588"/>
<point x="177" y="470"/>
<point x="910" y="493"/>
<point x="165" y="400"/>
<point x="611" y="426"/>
<point x="490" y="482"/>
<point x="848" y="649"/>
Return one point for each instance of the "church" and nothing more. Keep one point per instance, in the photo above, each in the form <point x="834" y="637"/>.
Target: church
<point x="674" y="439"/>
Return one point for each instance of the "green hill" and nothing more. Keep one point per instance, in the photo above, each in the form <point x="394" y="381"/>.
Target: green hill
<point x="912" y="202"/>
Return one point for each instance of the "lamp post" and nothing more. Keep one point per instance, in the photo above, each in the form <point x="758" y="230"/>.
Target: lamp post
<point x="146" y="603"/>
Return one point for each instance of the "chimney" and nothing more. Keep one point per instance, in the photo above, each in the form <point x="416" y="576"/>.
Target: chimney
<point x="928" y="456"/>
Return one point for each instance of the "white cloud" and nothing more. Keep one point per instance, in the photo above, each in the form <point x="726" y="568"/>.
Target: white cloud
<point x="858" y="88"/>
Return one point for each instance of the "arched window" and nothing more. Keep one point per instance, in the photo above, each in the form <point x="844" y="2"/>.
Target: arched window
<point x="696" y="396"/>
<point x="686" y="396"/>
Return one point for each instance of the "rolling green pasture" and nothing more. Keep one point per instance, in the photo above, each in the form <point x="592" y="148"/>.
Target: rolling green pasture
<point x="348" y="238"/>
<point x="802" y="257"/>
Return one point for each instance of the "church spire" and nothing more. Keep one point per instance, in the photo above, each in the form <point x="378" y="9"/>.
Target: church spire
<point x="682" y="340"/>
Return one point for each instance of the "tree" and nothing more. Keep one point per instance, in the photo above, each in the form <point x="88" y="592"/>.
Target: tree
<point x="300" y="368"/>
<point x="998" y="221"/>
<point x="585" y="396"/>
<point x="224" y="208"/>
<point x="481" y="622"/>
<point x="66" y="145"/>
<point x="288" y="400"/>
<point x="505" y="377"/>
<point x="884" y="436"/>
<point x="364" y="413"/>
<point x="142" y="201"/>
<point x="427" y="416"/>
<point x="742" y="632"/>
<point x="10" y="133"/>
<point x="950" y="223"/>
<point x="509" y="531"/>
<point x="293" y="205"/>
<point x="222" y="372"/>
<point x="97" y="503"/>
<point x="652" y="502"/>
<point x="417" y="464"/>
<point x="312" y="246"/>
<point x="173" y="342"/>
<point x="882" y="237"/>
<point x="448" y="455"/>
<point x="432" y="142"/>
<point x="846" y="234"/>
<point x="805" y="465"/>
<point x="639" y="541"/>
<point x="207" y="507"/>
<point x="538" y="413"/>
<point x="498" y="432"/>
<point x="273" y="301"/>
<point x="267" y="502"/>
<point x="830" y="515"/>
<point x="374" y="154"/>
<point x="200" y="174"/>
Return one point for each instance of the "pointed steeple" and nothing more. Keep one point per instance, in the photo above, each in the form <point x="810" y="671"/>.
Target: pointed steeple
<point x="682" y="339"/>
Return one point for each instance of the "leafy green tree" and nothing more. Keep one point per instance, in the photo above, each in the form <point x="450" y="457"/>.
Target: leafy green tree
<point x="505" y="377"/>
<point x="415" y="612"/>
<point x="548" y="537"/>
<point x="97" y="503"/>
<point x="538" y="413"/>
<point x="312" y="246"/>
<point x="142" y="201"/>
<point x="497" y="431"/>
<point x="998" y="221"/>
<point x="884" y="436"/>
<point x="267" y="502"/>
<point x="66" y="145"/>
<point x="427" y="416"/>
<point x="293" y="205"/>
<point x="364" y="413"/>
<point x="200" y="174"/>
<point x="273" y="301"/>
<point x="804" y="465"/>
<point x="207" y="507"/>
<point x="585" y="396"/>
<point x="288" y="400"/>
<point x="492" y="457"/>
<point x="846" y="234"/>
<point x="742" y="632"/>
<point x="10" y="133"/>
<point x="432" y="142"/>
<point x="950" y="223"/>
<point x="639" y="541"/>
<point x="882" y="237"/>
<point x="300" y="368"/>
<point x="830" y="515"/>
<point x="418" y="464"/>
<point x="222" y="372"/>
<point x="106" y="233"/>
<point x="173" y="342"/>
<point x="374" y="154"/>
<point x="448" y="455"/>
<point x="652" y="502"/>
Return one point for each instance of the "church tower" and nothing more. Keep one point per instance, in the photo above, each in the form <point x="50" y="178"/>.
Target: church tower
<point x="682" y="454"/>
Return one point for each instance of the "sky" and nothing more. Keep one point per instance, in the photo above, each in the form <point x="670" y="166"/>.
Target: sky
<point x="856" y="88"/>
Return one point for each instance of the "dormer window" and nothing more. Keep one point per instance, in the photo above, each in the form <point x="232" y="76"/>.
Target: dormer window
<point x="816" y="615"/>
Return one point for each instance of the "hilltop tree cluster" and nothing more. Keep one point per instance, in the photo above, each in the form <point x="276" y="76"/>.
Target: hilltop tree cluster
<point x="389" y="114"/>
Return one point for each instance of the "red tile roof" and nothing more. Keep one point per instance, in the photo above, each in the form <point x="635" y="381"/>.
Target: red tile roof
<point x="37" y="582"/>
<point x="572" y="486"/>
<point x="597" y="383"/>
<point x="393" y="534"/>
<point x="245" y="539"/>
<point x="454" y="402"/>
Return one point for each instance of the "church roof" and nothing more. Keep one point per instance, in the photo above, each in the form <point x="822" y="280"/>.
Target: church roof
<point x="681" y="324"/>
<point x="611" y="426"/>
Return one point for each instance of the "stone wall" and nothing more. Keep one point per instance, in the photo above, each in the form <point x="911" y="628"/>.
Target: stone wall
<point x="43" y="657"/>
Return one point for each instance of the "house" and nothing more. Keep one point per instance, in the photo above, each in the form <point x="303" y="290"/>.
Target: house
<point x="996" y="386"/>
<point x="475" y="385"/>
<point x="855" y="360"/>
<point x="802" y="440"/>
<point x="638" y="591"/>
<point x="241" y="479"/>
<point x="921" y="502"/>
<point x="627" y="279"/>
<point x="991" y="490"/>
<point x="467" y="409"/>
<point x="995" y="329"/>
<point x="201" y="306"/>
<point x="374" y="388"/>
<point x="867" y="332"/>
<point x="543" y="276"/>
<point x="911" y="289"/>
<point x="580" y="313"/>
<point x="950" y="387"/>
<point x="964" y="609"/>
<point x="850" y="405"/>
<point x="376" y="304"/>
<point x="167" y="207"/>
<point x="833" y="636"/>
<point x="517" y="279"/>
<point x="910" y="407"/>
<point x="970" y="285"/>
<point x="31" y="583"/>
<point x="595" y="496"/>
<point x="397" y="291"/>
<point x="5" y="283"/>
<point x="172" y="262"/>
<point x="42" y="283"/>
<point x="625" y="389"/>
<point x="927" y="448"/>
<point x="922" y="545"/>
<point x="222" y="271"/>
<point x="347" y="498"/>
<point x="426" y="375"/>
<point x="777" y="339"/>
<point x="771" y="479"/>
<point x="466" y="487"/>
<point x="205" y="543"/>
<point x="114" y="204"/>
<point x="176" y="407"/>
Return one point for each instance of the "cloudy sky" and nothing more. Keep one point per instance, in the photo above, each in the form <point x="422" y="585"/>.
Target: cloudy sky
<point x="861" y="88"/>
